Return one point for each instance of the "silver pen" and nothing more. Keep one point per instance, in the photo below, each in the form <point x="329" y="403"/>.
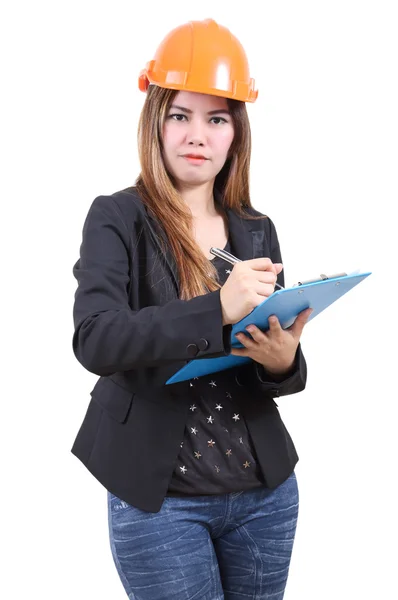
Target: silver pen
<point x="231" y="259"/>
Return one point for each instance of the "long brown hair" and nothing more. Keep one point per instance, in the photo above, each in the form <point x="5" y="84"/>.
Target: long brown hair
<point x="197" y="275"/>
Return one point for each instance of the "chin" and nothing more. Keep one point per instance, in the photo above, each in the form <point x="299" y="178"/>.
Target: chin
<point x="194" y="180"/>
<point x="191" y="178"/>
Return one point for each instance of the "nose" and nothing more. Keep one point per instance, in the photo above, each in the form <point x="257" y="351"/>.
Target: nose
<point x="196" y="133"/>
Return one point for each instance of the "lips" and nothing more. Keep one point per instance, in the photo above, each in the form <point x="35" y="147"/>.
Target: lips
<point x="199" y="156"/>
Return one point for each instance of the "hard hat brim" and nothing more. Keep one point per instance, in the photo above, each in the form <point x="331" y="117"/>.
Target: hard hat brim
<point x="240" y="90"/>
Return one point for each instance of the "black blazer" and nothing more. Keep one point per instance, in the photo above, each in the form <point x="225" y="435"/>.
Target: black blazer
<point x="133" y="331"/>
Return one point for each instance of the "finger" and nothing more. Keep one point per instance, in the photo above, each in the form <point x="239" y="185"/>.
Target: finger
<point x="261" y="264"/>
<point x="245" y="340"/>
<point x="266" y="277"/>
<point x="300" y="322"/>
<point x="256" y="333"/>
<point x="239" y="351"/>
<point x="274" y="325"/>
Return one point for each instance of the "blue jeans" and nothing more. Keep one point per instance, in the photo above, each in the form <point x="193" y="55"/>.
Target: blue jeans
<point x="233" y="546"/>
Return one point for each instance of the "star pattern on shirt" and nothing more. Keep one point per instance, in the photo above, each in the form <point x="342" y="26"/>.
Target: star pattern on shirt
<point x="228" y="451"/>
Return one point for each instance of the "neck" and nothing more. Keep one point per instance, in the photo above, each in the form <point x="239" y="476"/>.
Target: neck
<point x="200" y="200"/>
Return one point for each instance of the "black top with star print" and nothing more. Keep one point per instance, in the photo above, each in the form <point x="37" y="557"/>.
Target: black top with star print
<point x="217" y="455"/>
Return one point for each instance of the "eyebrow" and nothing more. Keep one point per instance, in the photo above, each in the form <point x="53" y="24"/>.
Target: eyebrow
<point x="211" y="112"/>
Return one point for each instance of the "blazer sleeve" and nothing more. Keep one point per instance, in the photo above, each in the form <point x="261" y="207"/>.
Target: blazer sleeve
<point x="108" y="335"/>
<point x="295" y="380"/>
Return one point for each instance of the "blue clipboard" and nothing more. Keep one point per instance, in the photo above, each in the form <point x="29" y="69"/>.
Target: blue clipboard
<point x="286" y="304"/>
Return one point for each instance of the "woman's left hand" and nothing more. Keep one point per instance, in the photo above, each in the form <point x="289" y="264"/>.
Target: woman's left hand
<point x="276" y="348"/>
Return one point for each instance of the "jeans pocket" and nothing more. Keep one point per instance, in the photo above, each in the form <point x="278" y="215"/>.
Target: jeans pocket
<point x="117" y="504"/>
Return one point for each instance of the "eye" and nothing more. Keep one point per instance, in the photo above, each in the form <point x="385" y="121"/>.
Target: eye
<point x="220" y="120"/>
<point x="175" y="115"/>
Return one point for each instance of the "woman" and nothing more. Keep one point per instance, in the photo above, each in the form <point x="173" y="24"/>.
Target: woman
<point x="202" y="494"/>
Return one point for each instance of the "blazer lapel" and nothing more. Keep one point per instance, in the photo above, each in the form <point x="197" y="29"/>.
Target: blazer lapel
<point x="158" y="232"/>
<point x="247" y="237"/>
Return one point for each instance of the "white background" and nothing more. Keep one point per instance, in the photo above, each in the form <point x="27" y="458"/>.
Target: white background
<point x="324" y="168"/>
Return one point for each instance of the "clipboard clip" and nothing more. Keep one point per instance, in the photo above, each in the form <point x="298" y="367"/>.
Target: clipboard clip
<point x="322" y="277"/>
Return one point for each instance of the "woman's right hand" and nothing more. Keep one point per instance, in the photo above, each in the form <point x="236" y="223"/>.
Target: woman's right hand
<point x="250" y="282"/>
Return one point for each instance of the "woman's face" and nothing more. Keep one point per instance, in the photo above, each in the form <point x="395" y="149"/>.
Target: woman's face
<point x="196" y="125"/>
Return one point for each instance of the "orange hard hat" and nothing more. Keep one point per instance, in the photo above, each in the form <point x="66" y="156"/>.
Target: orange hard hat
<point x="201" y="56"/>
